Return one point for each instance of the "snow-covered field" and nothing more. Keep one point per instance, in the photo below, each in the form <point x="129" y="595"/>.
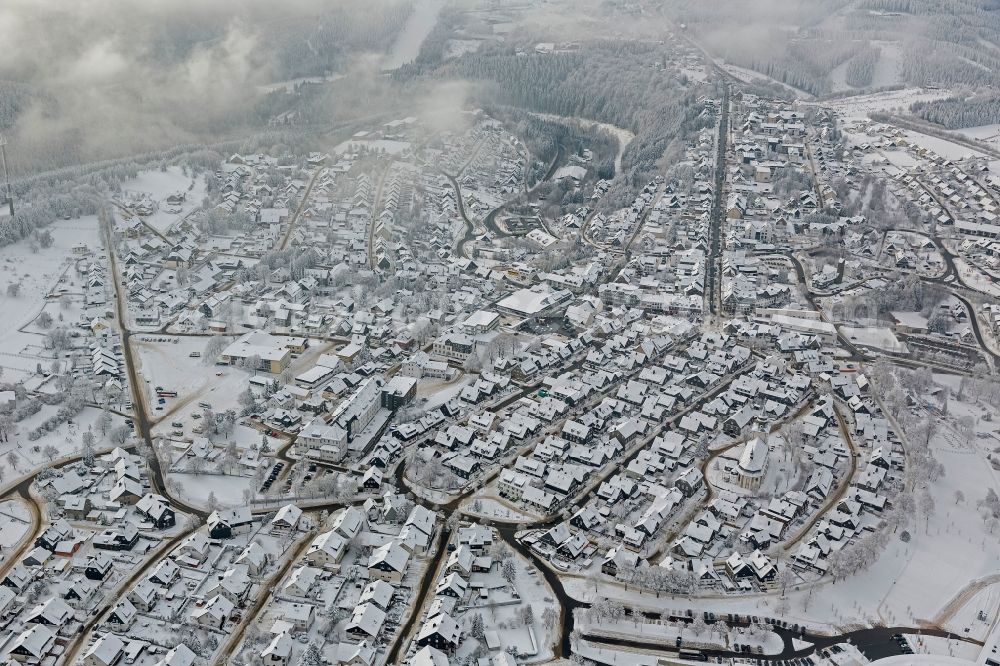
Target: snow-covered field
<point x="986" y="133"/>
<point x="171" y="366"/>
<point x="967" y="621"/>
<point x="67" y="439"/>
<point x="417" y="27"/>
<point x="975" y="278"/>
<point x="874" y="337"/>
<point x="942" y="147"/>
<point x="228" y="490"/>
<point x="938" y="647"/>
<point x="899" y="158"/>
<point x="445" y="392"/>
<point x="158" y="185"/>
<point x="39" y="274"/>
<point x="668" y="632"/>
<point x="15" y="519"/>
<point x="695" y="74"/>
<point x="861" y="105"/>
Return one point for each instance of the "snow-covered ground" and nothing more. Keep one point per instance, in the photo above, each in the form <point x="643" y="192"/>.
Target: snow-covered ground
<point x="975" y="278"/>
<point x="898" y="158"/>
<point x="459" y="47"/>
<point x="158" y="185"/>
<point x="536" y="640"/>
<point x="494" y="509"/>
<point x="939" y="647"/>
<point x="66" y="439"/>
<point x="852" y="108"/>
<point x="602" y="654"/>
<point x="449" y="391"/>
<point x="874" y="337"/>
<point x="228" y="490"/>
<point x="171" y="366"/>
<point x="411" y="37"/>
<point x="667" y="633"/>
<point x="15" y="519"/>
<point x="967" y="621"/>
<point x="750" y="75"/>
<point x="695" y="74"/>
<point x="943" y="147"/>
<point x="39" y="273"/>
<point x="989" y="134"/>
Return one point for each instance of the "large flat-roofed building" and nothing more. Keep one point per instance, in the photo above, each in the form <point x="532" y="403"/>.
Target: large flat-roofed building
<point x="539" y="301"/>
<point x="481" y="321"/>
<point x="825" y="331"/>
<point x="272" y="350"/>
<point x="315" y="377"/>
<point x="356" y="412"/>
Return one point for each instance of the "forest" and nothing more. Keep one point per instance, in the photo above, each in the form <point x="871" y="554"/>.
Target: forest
<point x="606" y="81"/>
<point x="544" y="137"/>
<point x="861" y="68"/>
<point x="959" y="112"/>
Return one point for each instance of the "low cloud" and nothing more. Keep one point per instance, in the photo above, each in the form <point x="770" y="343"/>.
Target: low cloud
<point x="111" y="77"/>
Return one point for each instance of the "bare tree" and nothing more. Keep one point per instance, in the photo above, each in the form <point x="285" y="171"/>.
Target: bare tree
<point x="119" y="436"/>
<point x="926" y="503"/>
<point x="213" y="348"/>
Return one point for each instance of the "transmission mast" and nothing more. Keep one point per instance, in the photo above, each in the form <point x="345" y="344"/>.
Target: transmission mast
<point x="8" y="196"/>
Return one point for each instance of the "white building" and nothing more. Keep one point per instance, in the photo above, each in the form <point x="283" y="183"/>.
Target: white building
<point x="752" y="466"/>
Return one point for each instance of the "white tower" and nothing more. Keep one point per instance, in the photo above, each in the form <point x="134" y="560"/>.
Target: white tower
<point x="8" y="196"/>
